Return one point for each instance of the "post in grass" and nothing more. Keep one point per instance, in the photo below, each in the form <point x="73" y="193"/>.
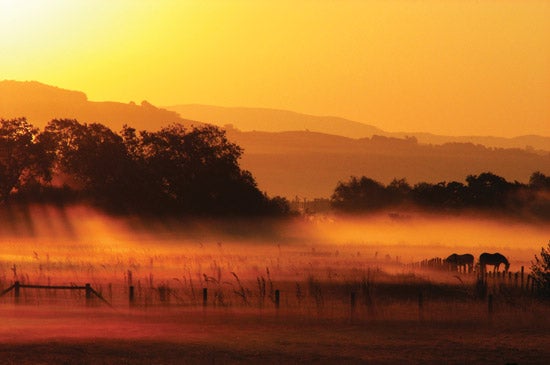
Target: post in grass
<point x="277" y="299"/>
<point x="420" y="306"/>
<point x="352" y="306"/>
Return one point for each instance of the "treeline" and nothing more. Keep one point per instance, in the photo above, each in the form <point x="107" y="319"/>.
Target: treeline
<point x="175" y="171"/>
<point x="484" y="192"/>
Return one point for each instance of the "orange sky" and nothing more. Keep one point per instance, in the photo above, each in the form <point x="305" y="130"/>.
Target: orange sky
<point x="448" y="67"/>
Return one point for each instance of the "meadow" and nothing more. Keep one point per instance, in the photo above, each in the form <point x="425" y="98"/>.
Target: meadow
<point x="310" y="289"/>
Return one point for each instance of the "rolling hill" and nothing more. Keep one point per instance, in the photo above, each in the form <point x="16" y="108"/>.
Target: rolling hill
<point x="304" y="160"/>
<point x="310" y="164"/>
<point x="271" y="120"/>
<point x="40" y="103"/>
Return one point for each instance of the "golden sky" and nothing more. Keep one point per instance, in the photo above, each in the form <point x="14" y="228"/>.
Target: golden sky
<point x="448" y="67"/>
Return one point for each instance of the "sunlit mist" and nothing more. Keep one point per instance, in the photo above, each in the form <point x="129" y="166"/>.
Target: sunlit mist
<point x="104" y="248"/>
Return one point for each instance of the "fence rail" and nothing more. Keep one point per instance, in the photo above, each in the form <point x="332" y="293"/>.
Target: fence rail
<point x="90" y="292"/>
<point x="490" y="287"/>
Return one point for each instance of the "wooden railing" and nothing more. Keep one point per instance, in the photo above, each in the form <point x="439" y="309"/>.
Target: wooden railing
<point x="90" y="292"/>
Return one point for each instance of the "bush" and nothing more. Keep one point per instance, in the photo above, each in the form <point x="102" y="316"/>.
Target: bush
<point x="541" y="271"/>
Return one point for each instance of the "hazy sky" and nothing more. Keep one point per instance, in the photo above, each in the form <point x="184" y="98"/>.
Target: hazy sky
<point x="447" y="67"/>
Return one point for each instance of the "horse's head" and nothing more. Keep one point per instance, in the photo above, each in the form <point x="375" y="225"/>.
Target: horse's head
<point x="505" y="262"/>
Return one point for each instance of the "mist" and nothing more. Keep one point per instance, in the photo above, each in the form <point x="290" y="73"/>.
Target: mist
<point x="33" y="234"/>
<point x="313" y="260"/>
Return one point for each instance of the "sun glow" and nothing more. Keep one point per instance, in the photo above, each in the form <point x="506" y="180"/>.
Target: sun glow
<point x="471" y="65"/>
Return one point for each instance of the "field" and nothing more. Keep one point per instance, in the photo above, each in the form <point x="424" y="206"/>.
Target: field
<point x="349" y="291"/>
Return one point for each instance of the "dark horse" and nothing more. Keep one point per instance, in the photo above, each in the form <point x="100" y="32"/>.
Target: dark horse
<point x="465" y="261"/>
<point x="494" y="259"/>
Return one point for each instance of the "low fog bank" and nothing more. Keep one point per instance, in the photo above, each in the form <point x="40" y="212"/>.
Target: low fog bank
<point x="411" y="237"/>
<point x="242" y="262"/>
<point x="80" y="223"/>
<point x="418" y="236"/>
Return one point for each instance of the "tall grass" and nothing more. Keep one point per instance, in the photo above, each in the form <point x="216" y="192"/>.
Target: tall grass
<point x="312" y="284"/>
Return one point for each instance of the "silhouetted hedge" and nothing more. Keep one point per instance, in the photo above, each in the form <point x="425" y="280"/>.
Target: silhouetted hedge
<point x="484" y="192"/>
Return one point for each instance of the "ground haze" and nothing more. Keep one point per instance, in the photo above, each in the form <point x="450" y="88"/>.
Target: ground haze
<point x="315" y="263"/>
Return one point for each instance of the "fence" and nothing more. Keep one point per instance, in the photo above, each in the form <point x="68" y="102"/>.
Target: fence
<point x="356" y="301"/>
<point x="516" y="278"/>
<point x="90" y="292"/>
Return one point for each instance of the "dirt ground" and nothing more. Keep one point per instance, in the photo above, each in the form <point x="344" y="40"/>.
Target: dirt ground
<point x="88" y="336"/>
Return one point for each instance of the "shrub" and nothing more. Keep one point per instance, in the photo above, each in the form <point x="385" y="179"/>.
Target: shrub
<point x="541" y="271"/>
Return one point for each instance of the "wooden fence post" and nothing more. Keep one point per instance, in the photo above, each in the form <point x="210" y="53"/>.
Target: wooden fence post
<point x="164" y="293"/>
<point x="277" y="297"/>
<point x="352" y="305"/>
<point x="204" y="297"/>
<point x="16" y="292"/>
<point x="420" y="306"/>
<point x="88" y="294"/>
<point x="131" y="297"/>
<point x="522" y="278"/>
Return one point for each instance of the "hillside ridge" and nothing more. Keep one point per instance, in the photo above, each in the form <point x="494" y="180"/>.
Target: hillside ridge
<point x="249" y="119"/>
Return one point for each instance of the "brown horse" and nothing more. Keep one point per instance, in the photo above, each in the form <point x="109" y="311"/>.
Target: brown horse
<point x="494" y="259"/>
<point x="465" y="261"/>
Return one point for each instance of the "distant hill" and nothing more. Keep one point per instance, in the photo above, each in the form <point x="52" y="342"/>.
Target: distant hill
<point x="305" y="160"/>
<point x="41" y="103"/>
<point x="271" y="120"/>
<point x="310" y="164"/>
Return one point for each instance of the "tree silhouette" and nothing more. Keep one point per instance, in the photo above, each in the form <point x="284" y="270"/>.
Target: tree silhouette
<point x="23" y="159"/>
<point x="173" y="171"/>
<point x="430" y="195"/>
<point x="539" y="181"/>
<point x="195" y="171"/>
<point x="92" y="159"/>
<point x="456" y="195"/>
<point x="442" y="195"/>
<point x="538" y="195"/>
<point x="488" y="190"/>
<point x="398" y="191"/>
<point x="363" y="194"/>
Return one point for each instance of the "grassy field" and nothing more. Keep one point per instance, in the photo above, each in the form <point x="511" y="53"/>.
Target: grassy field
<point x="348" y="293"/>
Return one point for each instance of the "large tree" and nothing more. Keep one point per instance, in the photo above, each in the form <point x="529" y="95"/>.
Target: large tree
<point x="360" y="194"/>
<point x="539" y="181"/>
<point x="488" y="190"/>
<point x="442" y="195"/>
<point x="92" y="159"/>
<point x="23" y="159"/>
<point x="196" y="171"/>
